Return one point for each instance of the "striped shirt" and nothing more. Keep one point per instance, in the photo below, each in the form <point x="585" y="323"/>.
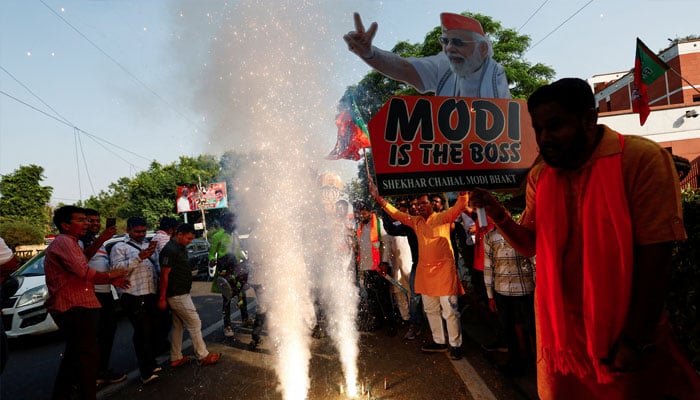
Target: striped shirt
<point x="68" y="277"/>
<point x="142" y="276"/>
<point x="505" y="270"/>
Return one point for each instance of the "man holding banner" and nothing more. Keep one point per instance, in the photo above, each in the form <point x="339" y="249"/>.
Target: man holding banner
<point x="436" y="273"/>
<point x="465" y="67"/>
<point x="602" y="213"/>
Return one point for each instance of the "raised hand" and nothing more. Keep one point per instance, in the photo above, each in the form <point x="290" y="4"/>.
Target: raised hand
<point x="360" y="40"/>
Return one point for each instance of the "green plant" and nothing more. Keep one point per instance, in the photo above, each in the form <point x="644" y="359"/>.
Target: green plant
<point x="20" y="232"/>
<point x="683" y="299"/>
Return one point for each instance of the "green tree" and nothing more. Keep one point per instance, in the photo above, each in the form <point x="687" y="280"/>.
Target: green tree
<point x="23" y="198"/>
<point x="151" y="194"/>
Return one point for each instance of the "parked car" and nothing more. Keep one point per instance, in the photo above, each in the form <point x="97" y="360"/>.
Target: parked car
<point x="198" y="256"/>
<point x="24" y="313"/>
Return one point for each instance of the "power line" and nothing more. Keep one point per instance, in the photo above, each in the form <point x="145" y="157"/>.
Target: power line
<point x="533" y="14"/>
<point x="560" y="25"/>
<point x="122" y="67"/>
<point x="80" y="130"/>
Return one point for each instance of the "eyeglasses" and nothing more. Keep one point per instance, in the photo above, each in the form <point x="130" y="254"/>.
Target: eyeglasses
<point x="457" y="42"/>
<point x="79" y="220"/>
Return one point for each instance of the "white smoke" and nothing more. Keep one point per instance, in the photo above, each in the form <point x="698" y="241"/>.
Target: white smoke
<point x="266" y="86"/>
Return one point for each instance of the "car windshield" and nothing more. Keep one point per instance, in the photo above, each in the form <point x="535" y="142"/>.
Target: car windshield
<point x="33" y="267"/>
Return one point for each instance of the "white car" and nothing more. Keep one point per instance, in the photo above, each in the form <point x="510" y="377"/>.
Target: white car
<point x="24" y="313"/>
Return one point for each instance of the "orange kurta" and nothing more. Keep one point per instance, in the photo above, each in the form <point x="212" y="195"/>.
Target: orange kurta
<point x="436" y="273"/>
<point x="647" y="171"/>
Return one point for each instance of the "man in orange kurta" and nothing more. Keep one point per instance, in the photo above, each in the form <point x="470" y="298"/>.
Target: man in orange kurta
<point x="602" y="213"/>
<point x="436" y="273"/>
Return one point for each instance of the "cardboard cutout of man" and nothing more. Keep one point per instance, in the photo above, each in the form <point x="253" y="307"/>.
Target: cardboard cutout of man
<point x="465" y="67"/>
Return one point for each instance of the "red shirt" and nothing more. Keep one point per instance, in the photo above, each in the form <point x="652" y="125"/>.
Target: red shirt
<point x="68" y="276"/>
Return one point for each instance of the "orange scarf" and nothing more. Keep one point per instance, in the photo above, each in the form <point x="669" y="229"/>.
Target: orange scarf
<point x="607" y="267"/>
<point x="374" y="237"/>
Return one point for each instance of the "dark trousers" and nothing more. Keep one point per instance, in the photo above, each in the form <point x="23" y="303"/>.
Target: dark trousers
<point x="516" y="311"/>
<point x="378" y="297"/>
<point x="141" y="311"/>
<point x="242" y="305"/>
<point x="415" y="301"/>
<point x="78" y="368"/>
<point x="106" y="328"/>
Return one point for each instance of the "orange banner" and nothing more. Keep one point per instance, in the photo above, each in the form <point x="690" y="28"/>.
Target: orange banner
<point x="426" y="144"/>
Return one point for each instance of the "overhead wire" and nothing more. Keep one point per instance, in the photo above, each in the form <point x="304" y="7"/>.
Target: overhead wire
<point x="560" y="25"/>
<point x="533" y="14"/>
<point x="93" y="137"/>
<point x="122" y="67"/>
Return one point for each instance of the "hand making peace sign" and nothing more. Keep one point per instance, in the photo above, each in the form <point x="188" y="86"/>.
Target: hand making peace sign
<point x="360" y="41"/>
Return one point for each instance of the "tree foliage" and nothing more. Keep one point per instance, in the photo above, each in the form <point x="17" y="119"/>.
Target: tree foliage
<point x="151" y="194"/>
<point x="23" y="198"/>
<point x="20" y="232"/>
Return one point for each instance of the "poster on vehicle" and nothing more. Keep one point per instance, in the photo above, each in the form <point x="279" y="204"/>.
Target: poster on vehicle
<point x="426" y="144"/>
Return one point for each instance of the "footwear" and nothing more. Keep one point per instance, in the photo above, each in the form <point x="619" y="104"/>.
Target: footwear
<point x="110" y="376"/>
<point x="182" y="361"/>
<point x="253" y="345"/>
<point x="433" y="347"/>
<point x="157" y="369"/>
<point x="495" y="347"/>
<point x="455" y="353"/>
<point x="228" y="332"/>
<point x="412" y="333"/>
<point x="248" y="323"/>
<point x="211" y="358"/>
<point x="150" y="379"/>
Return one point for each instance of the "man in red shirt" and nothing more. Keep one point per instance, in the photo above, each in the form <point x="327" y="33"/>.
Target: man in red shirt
<point x="73" y="304"/>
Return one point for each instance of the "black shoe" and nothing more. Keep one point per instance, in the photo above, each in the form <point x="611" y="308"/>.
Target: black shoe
<point x="455" y="353"/>
<point x="110" y="376"/>
<point x="433" y="347"/>
<point x="495" y="347"/>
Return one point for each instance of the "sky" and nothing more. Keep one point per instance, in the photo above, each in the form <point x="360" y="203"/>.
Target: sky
<point x="96" y="90"/>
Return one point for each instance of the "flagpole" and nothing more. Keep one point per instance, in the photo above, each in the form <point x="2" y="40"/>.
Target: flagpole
<point x="685" y="80"/>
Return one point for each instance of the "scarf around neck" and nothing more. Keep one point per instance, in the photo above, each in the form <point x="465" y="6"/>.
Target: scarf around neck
<point x="607" y="267"/>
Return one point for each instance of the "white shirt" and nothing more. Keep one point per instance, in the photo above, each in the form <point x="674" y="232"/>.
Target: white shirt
<point x="487" y="82"/>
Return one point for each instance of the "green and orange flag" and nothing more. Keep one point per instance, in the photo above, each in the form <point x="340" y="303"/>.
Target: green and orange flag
<point x="352" y="135"/>
<point x="647" y="68"/>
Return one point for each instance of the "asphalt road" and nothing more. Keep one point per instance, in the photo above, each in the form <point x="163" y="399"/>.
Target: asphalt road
<point x="245" y="374"/>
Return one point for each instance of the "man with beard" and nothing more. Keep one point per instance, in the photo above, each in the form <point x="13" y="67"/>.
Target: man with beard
<point x="602" y="213"/>
<point x="436" y="272"/>
<point x="465" y="67"/>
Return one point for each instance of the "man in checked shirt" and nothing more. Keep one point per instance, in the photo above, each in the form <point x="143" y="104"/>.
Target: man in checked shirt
<point x="137" y="255"/>
<point x="510" y="285"/>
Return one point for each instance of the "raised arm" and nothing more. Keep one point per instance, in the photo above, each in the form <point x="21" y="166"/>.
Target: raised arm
<point x="520" y="237"/>
<point x="395" y="67"/>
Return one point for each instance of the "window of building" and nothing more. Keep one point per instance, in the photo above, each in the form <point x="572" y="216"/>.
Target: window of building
<point x="696" y="98"/>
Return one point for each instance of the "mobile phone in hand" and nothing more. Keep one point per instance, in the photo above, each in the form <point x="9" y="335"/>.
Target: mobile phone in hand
<point x="111" y="221"/>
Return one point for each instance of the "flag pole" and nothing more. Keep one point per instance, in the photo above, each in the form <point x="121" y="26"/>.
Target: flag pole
<point x="684" y="80"/>
<point x="364" y="153"/>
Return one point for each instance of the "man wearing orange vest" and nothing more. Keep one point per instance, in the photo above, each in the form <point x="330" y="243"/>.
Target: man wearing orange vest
<point x="436" y="272"/>
<point x="373" y="262"/>
<point x="602" y="213"/>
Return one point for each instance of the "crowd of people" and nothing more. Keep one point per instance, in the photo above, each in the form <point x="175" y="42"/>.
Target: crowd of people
<point x="153" y="279"/>
<point x="595" y="232"/>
